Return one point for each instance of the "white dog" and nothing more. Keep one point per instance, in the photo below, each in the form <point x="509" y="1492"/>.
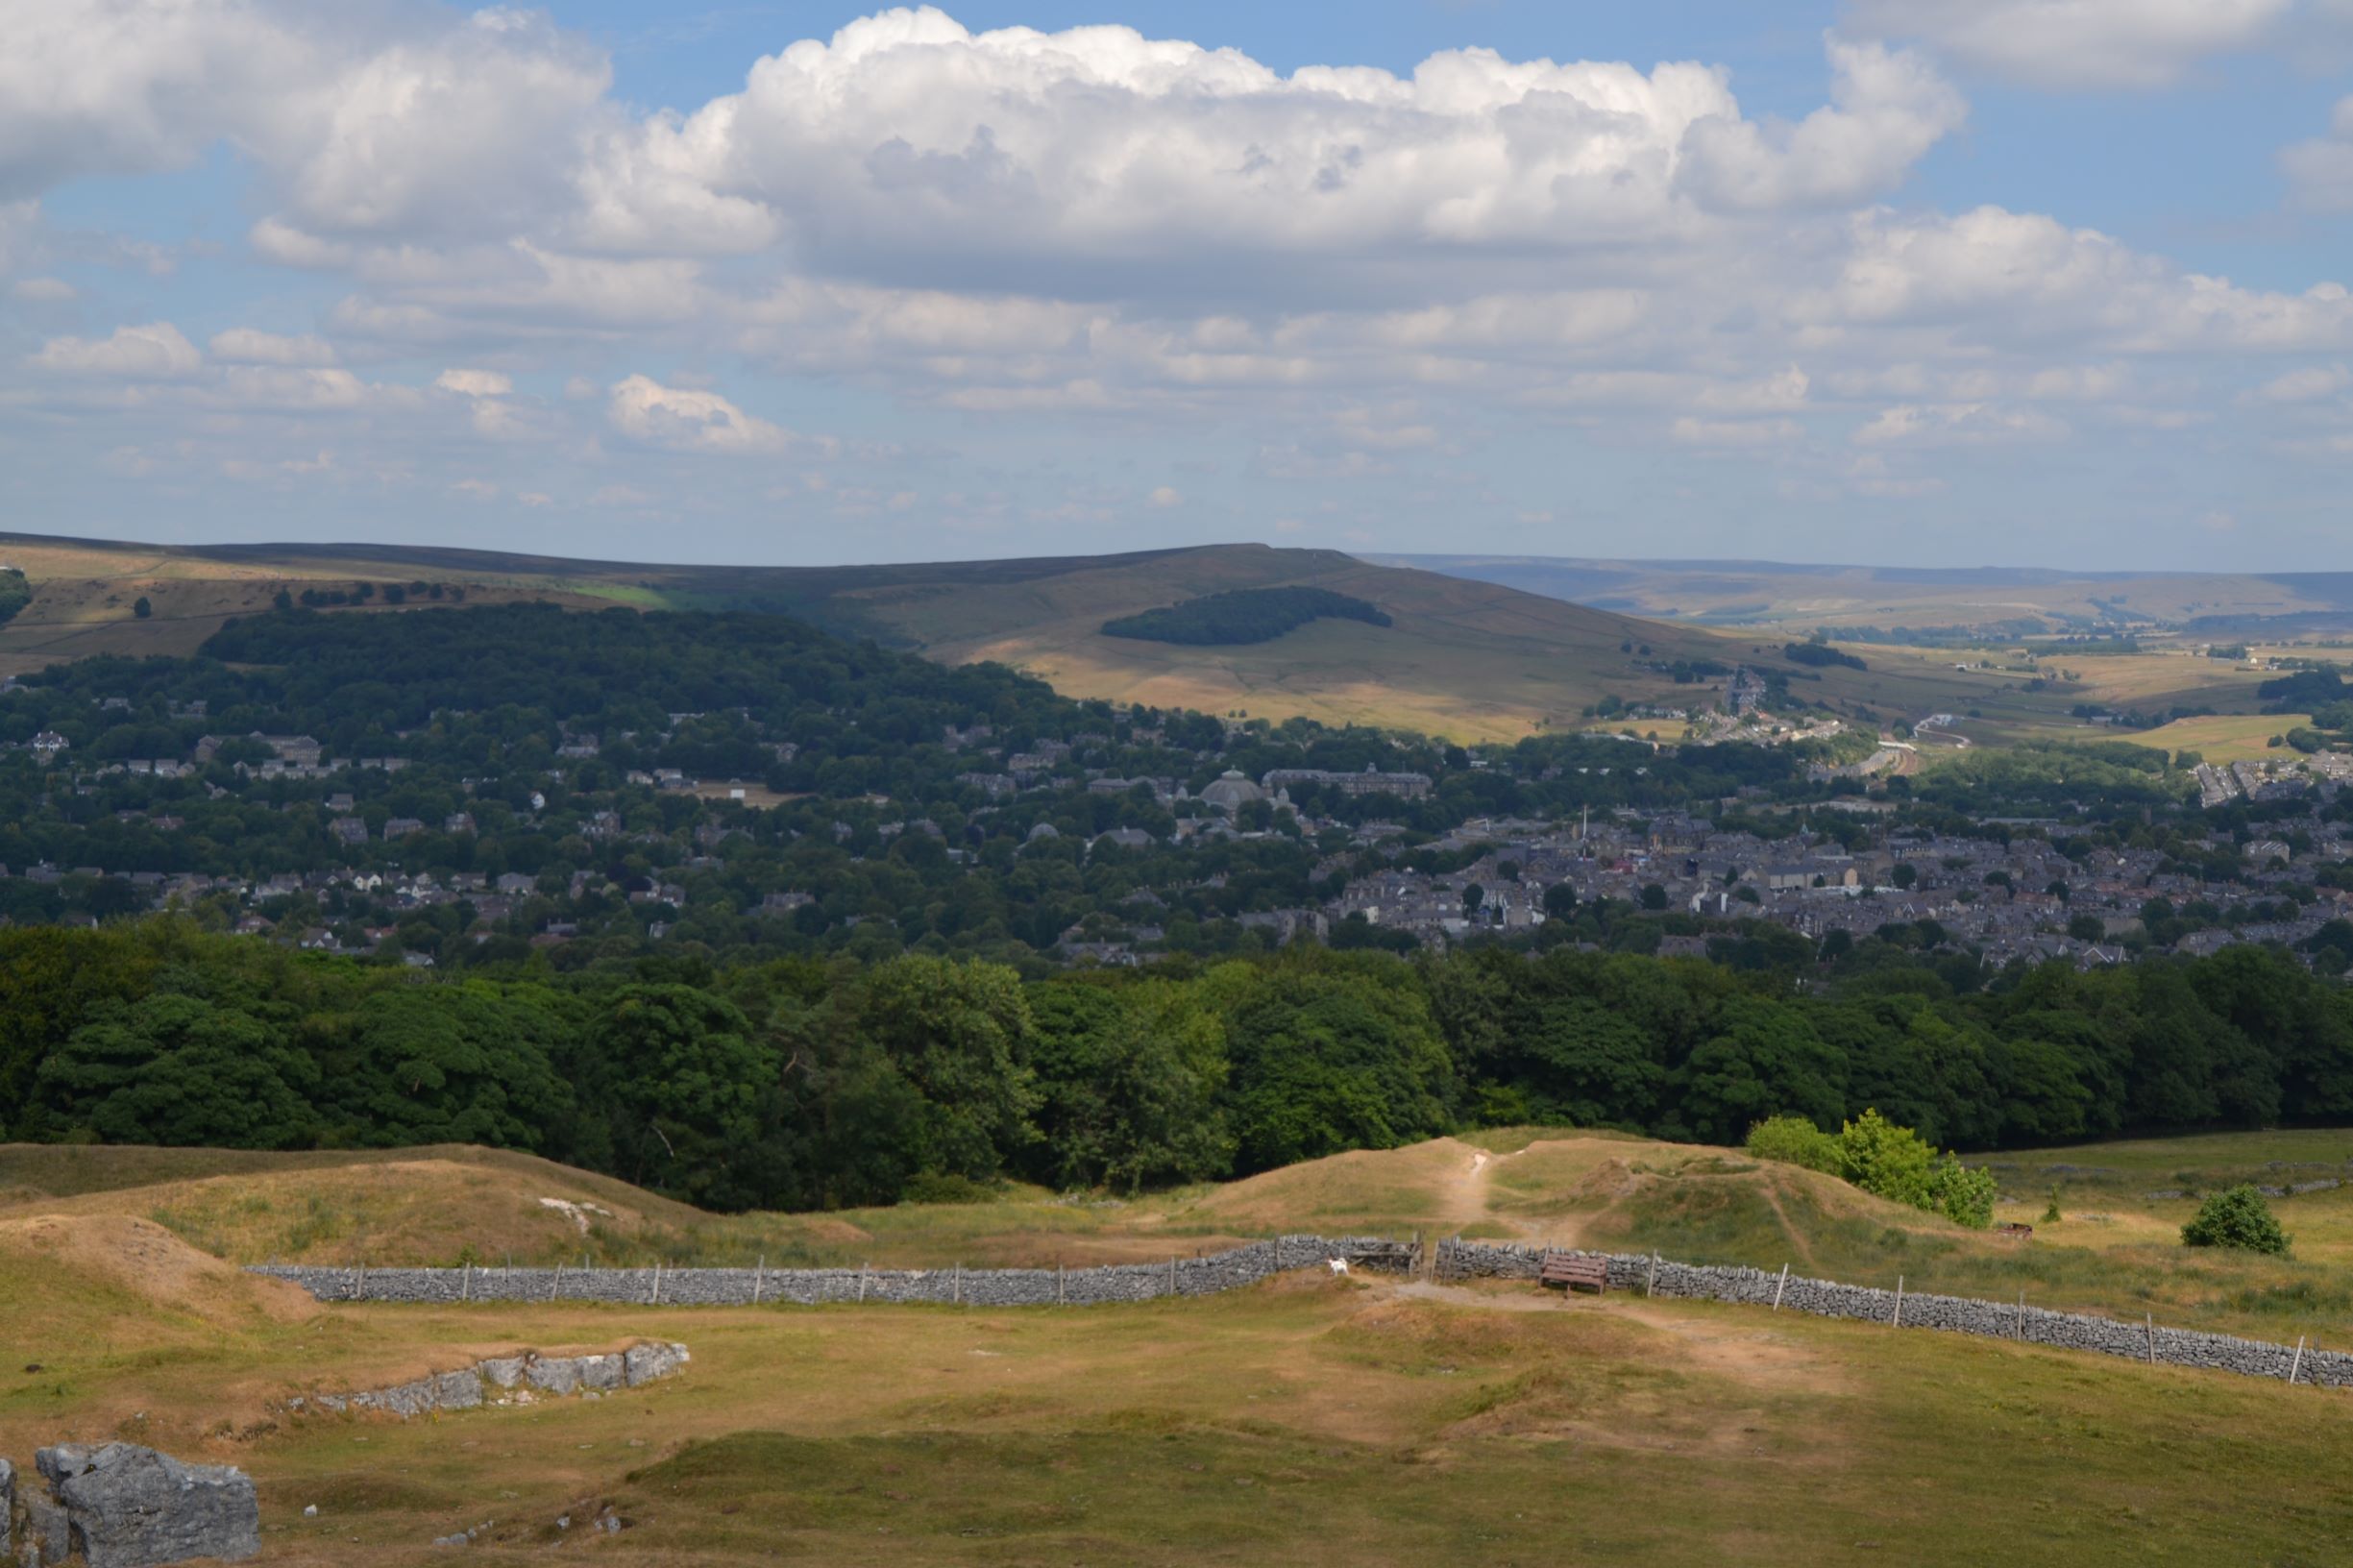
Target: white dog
<point x="1337" y="1266"/>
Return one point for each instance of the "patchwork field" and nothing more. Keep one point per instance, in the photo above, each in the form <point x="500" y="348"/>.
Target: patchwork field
<point x="1315" y="1419"/>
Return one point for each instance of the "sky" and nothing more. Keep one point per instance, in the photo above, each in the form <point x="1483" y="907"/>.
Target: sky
<point x="1913" y="282"/>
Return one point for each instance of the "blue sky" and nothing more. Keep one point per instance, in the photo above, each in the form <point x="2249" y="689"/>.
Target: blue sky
<point x="1911" y="281"/>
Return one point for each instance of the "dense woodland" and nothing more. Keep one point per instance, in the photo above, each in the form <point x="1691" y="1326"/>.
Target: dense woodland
<point x="800" y="1083"/>
<point x="1244" y="615"/>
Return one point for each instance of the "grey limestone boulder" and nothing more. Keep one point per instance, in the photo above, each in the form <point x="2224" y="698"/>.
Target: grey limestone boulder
<point x="47" y="1536"/>
<point x="607" y="1371"/>
<point x="127" y="1507"/>
<point x="553" y="1374"/>
<point x="651" y="1360"/>
<point x="506" y="1371"/>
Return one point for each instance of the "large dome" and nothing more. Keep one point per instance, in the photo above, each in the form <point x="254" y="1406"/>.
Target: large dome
<point x="1232" y="792"/>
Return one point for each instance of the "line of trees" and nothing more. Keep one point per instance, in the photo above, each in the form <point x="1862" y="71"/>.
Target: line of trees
<point x="804" y="1083"/>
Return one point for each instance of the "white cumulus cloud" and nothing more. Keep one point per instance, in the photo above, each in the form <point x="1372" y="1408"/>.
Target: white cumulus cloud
<point x="686" y="419"/>
<point x="151" y="353"/>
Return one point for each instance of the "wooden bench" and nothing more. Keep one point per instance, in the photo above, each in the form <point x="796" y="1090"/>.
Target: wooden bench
<point x="1570" y="1272"/>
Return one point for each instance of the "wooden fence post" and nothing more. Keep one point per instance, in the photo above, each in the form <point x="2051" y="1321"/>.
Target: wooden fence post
<point x="2148" y="1326"/>
<point x="558" y="1283"/>
<point x="1896" y="1322"/>
<point x="1172" y="1290"/>
<point x="861" y="1272"/>
<point x="2021" y="1315"/>
<point x="759" y="1277"/>
<point x="465" y="1282"/>
<point x="959" y="1298"/>
<point x="1779" y="1289"/>
<point x="657" y="1282"/>
<point x="1651" y="1285"/>
<point x="2297" y="1365"/>
<point x="1059" y="1295"/>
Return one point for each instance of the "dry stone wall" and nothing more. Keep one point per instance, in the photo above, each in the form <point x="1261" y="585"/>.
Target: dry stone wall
<point x="1952" y="1314"/>
<point x="1248" y="1264"/>
<point x="813" y="1287"/>
<point x="519" y="1379"/>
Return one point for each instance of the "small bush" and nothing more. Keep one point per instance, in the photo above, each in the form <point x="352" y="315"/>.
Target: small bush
<point x="1793" y="1140"/>
<point x="1962" y="1196"/>
<point x="1892" y="1162"/>
<point x="945" y="1187"/>
<point x="2236" y="1219"/>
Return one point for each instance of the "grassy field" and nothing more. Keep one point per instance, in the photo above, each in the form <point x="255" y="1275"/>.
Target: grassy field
<point x="2222" y="737"/>
<point x="1312" y="1420"/>
<point x="84" y="597"/>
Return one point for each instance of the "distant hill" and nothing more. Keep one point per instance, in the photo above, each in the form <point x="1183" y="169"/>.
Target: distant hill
<point x="1462" y="656"/>
<point x="1468" y="660"/>
<point x="1998" y="601"/>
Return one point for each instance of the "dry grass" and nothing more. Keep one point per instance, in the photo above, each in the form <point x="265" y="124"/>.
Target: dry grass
<point x="1310" y="1420"/>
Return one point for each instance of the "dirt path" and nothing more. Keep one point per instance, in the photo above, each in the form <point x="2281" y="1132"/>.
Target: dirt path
<point x="1796" y="1238"/>
<point x="1741" y="1343"/>
<point x="1464" y="1202"/>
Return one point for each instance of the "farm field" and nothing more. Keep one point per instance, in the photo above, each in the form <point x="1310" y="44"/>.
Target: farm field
<point x="1313" y="1419"/>
<point x="2222" y="737"/>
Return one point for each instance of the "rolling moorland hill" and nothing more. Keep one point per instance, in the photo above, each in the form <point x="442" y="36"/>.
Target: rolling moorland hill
<point x="1466" y="660"/>
<point x="1993" y="601"/>
<point x="1313" y="1419"/>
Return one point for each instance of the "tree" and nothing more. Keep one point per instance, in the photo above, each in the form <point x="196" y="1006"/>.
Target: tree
<point x="1653" y="896"/>
<point x="1879" y="1157"/>
<point x="449" y="1065"/>
<point x="141" y="608"/>
<point x="1904" y="875"/>
<point x="1763" y="1059"/>
<point x="1329" y="1055"/>
<point x="963" y="1034"/>
<point x="1473" y="896"/>
<point x="1560" y="901"/>
<point x="684" y="1087"/>
<point x="2087" y="928"/>
<point x="1129" y="1079"/>
<point x="2236" y="1219"/>
<point x="176" y="1070"/>
<point x="284" y="599"/>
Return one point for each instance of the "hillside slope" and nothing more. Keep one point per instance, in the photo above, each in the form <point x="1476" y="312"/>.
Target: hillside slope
<point x="1468" y="660"/>
<point x="1459" y="658"/>
<point x="2011" y="601"/>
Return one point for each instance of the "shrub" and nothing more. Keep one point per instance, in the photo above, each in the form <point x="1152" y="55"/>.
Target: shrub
<point x="934" y="1187"/>
<point x="1893" y="1162"/>
<point x="2236" y="1219"/>
<point x="1961" y="1195"/>
<point x="1793" y="1140"/>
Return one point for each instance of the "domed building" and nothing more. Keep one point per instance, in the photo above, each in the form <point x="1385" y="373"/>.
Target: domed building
<point x="1231" y="792"/>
